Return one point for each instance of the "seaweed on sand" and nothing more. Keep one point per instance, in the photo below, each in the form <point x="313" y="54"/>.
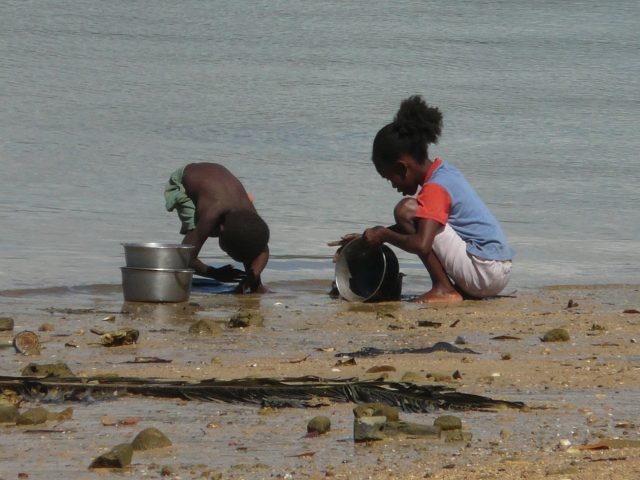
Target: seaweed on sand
<point x="301" y="392"/>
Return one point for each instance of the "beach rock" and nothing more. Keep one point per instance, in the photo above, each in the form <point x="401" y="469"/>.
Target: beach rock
<point x="246" y="319"/>
<point x="9" y="413"/>
<point x="368" y="428"/>
<point x="412" y="429"/>
<point x="448" y="422"/>
<point x="150" y="438"/>
<point x="47" y="370"/>
<point x="33" y="416"/>
<point x="6" y="324"/>
<point x="206" y="328"/>
<point x="376" y="409"/>
<point x="66" y="414"/>
<point x="556" y="335"/>
<point x="167" y="471"/>
<point x="458" y="436"/>
<point x="45" y="327"/>
<point x="381" y="368"/>
<point x="440" y="377"/>
<point x="320" y="424"/>
<point x="412" y="377"/>
<point x="118" y="457"/>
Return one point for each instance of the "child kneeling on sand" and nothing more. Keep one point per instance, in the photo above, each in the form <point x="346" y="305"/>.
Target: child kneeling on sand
<point x="447" y="225"/>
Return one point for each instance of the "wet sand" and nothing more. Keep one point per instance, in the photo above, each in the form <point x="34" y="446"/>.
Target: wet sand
<point x="581" y="392"/>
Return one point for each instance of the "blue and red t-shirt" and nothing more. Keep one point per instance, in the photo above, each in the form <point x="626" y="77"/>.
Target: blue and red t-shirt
<point x="447" y="197"/>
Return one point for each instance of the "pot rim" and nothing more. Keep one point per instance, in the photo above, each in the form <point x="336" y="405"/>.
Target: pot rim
<point x="158" y="245"/>
<point x="161" y="270"/>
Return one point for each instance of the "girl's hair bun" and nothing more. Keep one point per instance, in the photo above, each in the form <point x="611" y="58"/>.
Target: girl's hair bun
<point x="416" y="118"/>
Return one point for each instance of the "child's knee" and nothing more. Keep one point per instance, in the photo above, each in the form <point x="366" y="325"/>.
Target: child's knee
<point x="405" y="210"/>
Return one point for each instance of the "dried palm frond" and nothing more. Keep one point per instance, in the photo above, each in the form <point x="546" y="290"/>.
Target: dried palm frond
<point x="299" y="392"/>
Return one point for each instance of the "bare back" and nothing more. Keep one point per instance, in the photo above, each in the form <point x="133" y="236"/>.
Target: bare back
<point x="214" y="190"/>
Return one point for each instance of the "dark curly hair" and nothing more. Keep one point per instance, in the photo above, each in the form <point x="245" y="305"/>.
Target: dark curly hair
<point x="244" y="235"/>
<point x="415" y="126"/>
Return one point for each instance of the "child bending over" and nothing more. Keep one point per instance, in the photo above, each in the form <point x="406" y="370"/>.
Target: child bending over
<point x="211" y="202"/>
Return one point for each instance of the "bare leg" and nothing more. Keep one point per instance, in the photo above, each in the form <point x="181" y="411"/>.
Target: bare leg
<point x="442" y="289"/>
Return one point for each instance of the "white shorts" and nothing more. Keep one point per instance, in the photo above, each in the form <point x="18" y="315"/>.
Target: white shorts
<point x="476" y="276"/>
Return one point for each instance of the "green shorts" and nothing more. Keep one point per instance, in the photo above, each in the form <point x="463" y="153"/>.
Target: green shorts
<point x="176" y="198"/>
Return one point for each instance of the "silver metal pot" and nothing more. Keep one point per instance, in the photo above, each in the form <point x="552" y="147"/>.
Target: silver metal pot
<point x="156" y="284"/>
<point x="368" y="274"/>
<point x="157" y="255"/>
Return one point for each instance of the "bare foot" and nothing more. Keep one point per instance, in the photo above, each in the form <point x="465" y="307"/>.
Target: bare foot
<point x="434" y="296"/>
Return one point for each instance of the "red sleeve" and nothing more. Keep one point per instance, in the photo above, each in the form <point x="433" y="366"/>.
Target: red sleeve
<point x="433" y="202"/>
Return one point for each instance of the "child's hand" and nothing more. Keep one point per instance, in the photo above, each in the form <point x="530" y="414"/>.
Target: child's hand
<point x="374" y="236"/>
<point x="346" y="239"/>
<point x="248" y="284"/>
<point x="226" y="274"/>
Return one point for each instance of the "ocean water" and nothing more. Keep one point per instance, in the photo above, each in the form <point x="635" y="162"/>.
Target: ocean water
<point x="101" y="101"/>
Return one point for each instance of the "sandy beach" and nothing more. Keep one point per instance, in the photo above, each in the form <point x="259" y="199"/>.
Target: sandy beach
<point x="580" y="395"/>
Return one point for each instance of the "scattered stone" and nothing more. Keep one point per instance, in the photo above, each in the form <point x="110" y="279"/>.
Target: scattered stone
<point x="440" y="377"/>
<point x="381" y="368"/>
<point x="167" y="471"/>
<point x="320" y="424"/>
<point x="556" y="335"/>
<point x="33" y="416"/>
<point x="118" y="457"/>
<point x="458" y="436"/>
<point x="206" y="328"/>
<point x="117" y="338"/>
<point x="564" y="444"/>
<point x="571" y="304"/>
<point x="9" y="413"/>
<point x="246" y="319"/>
<point x="150" y="438"/>
<point x="412" y="429"/>
<point x="66" y="414"/>
<point x="456" y="375"/>
<point x="26" y="343"/>
<point x="6" y="324"/>
<point x="345" y="362"/>
<point x="448" y="422"/>
<point x="58" y="370"/>
<point x="506" y="356"/>
<point x="368" y="428"/>
<point x="267" y="411"/>
<point x="45" y="327"/>
<point x="592" y="419"/>
<point x="376" y="409"/>
<point x="411" y="377"/>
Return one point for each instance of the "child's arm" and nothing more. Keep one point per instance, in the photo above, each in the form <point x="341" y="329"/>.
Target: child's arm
<point x="419" y="243"/>
<point x="253" y="282"/>
<point x="207" y="222"/>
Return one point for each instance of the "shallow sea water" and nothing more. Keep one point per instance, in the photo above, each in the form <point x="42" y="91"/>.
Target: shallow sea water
<point x="101" y="102"/>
